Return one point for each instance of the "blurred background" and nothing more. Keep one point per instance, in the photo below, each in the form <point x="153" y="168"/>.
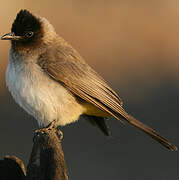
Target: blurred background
<point x="134" y="45"/>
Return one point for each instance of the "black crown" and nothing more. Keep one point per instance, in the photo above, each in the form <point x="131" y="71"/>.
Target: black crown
<point x="24" y="22"/>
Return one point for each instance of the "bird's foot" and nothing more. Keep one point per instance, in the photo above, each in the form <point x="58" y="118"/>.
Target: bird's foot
<point x="60" y="134"/>
<point x="51" y="127"/>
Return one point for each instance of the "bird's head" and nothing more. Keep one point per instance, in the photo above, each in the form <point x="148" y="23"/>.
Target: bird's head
<point x="29" y="30"/>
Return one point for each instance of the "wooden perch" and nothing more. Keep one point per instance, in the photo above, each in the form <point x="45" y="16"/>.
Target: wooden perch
<point x="46" y="160"/>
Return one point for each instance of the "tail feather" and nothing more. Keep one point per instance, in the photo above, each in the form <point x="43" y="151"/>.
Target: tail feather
<point x="131" y="120"/>
<point x="100" y="122"/>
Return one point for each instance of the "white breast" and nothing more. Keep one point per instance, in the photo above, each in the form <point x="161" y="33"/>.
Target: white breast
<point x="39" y="95"/>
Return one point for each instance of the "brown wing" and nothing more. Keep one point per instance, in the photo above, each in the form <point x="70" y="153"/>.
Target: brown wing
<point x="66" y="66"/>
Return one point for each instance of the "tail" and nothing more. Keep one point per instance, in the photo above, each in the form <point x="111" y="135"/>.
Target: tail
<point x="131" y="120"/>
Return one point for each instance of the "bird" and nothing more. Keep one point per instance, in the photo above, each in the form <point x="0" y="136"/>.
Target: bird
<point x="50" y="80"/>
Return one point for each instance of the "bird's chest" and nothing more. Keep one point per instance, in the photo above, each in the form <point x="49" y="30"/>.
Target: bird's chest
<point x="34" y="91"/>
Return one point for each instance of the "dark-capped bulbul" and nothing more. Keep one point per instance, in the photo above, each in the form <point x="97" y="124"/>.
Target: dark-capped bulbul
<point x="49" y="79"/>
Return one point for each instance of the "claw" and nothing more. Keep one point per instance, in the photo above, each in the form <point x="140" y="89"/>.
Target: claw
<point x="51" y="126"/>
<point x="60" y="134"/>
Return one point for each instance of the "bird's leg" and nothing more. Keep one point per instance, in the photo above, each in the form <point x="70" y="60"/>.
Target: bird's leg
<point x="50" y="127"/>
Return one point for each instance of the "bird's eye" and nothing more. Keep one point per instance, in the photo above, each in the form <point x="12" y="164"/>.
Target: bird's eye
<point x="29" y="34"/>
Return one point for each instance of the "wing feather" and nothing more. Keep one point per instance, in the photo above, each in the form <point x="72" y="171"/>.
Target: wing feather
<point x="82" y="80"/>
<point x="66" y="66"/>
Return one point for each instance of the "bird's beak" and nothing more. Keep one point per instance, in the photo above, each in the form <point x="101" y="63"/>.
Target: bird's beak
<point x="10" y="36"/>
